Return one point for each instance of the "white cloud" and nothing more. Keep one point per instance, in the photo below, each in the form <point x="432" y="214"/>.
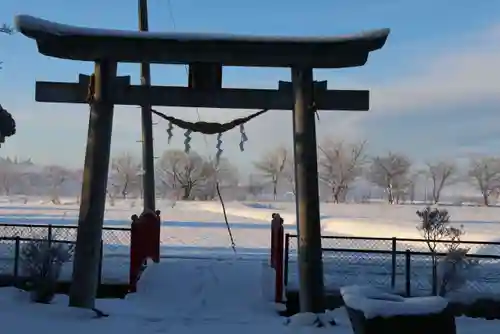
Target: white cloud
<point x="467" y="72"/>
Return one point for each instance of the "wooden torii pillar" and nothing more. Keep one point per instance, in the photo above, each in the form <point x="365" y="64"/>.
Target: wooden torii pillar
<point x="206" y="55"/>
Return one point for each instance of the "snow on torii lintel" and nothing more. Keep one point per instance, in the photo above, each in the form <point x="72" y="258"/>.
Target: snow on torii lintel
<point x="295" y="50"/>
<point x="31" y="23"/>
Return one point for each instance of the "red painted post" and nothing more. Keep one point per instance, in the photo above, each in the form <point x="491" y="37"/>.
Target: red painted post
<point x="144" y="243"/>
<point x="278" y="236"/>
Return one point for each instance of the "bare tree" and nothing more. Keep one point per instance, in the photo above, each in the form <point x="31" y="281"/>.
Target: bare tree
<point x="340" y="164"/>
<point x="56" y="176"/>
<point x="485" y="173"/>
<point x="441" y="174"/>
<point x="390" y="173"/>
<point x="183" y="173"/>
<point x="272" y="166"/>
<point x="125" y="173"/>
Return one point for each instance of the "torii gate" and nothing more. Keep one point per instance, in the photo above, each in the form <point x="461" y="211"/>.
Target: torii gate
<point x="205" y="54"/>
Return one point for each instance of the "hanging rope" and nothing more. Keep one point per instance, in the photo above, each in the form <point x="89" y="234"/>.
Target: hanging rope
<point x="209" y="128"/>
<point x="219" y="143"/>
<point x="169" y="131"/>
<point x="233" y="245"/>
<point x="219" y="150"/>
<point x="244" y="137"/>
<point x="187" y="146"/>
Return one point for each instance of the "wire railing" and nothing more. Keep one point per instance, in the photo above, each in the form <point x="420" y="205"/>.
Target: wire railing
<point x="114" y="258"/>
<point x="402" y="264"/>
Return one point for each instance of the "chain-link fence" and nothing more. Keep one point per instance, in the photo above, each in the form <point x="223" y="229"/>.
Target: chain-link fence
<point x="115" y="250"/>
<point x="404" y="265"/>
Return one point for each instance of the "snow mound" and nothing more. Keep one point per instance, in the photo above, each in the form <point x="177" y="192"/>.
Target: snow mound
<point x="308" y="319"/>
<point x="376" y="303"/>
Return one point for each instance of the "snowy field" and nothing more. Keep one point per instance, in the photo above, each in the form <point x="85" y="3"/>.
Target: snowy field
<point x="184" y="297"/>
<point x="198" y="285"/>
<point x="197" y="230"/>
<point x="180" y="218"/>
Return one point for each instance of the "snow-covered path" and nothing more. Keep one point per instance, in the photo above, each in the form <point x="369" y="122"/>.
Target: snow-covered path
<point x="181" y="297"/>
<point x="191" y="289"/>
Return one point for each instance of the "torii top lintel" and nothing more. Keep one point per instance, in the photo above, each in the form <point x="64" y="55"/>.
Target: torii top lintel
<point x="90" y="44"/>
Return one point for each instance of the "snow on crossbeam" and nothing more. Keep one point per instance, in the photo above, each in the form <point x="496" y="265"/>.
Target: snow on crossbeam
<point x="90" y="44"/>
<point x="377" y="303"/>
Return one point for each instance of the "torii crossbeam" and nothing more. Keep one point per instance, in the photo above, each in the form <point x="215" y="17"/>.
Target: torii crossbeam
<point x="206" y="54"/>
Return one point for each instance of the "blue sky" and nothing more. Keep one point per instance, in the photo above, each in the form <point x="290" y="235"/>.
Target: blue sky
<point x="435" y="85"/>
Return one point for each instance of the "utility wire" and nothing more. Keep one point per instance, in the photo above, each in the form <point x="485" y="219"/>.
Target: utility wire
<point x="233" y="245"/>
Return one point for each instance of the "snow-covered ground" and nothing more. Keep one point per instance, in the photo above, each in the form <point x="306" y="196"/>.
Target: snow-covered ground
<point x="197" y="229"/>
<point x="200" y="285"/>
<point x="183" y="296"/>
<point x="250" y="221"/>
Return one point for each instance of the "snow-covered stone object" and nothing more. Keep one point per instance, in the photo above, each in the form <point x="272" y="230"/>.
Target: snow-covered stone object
<point x="373" y="311"/>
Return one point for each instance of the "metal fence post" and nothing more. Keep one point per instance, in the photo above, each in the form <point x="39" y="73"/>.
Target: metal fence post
<point x="408" y="272"/>
<point x="286" y="258"/>
<point x="394" y="259"/>
<point x="17" y="247"/>
<point x="101" y="255"/>
<point x="279" y="236"/>
<point x="272" y="259"/>
<point x="49" y="234"/>
<point x="434" y="260"/>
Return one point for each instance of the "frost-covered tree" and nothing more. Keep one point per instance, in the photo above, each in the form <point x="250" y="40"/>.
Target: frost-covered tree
<point x="125" y="174"/>
<point x="340" y="164"/>
<point x="441" y="174"/>
<point x="272" y="166"/>
<point x="484" y="173"/>
<point x="390" y="173"/>
<point x="56" y="177"/>
<point x="225" y="175"/>
<point x="183" y="173"/>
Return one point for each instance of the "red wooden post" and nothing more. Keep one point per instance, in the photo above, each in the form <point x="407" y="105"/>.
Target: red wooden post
<point x="144" y="243"/>
<point x="277" y="244"/>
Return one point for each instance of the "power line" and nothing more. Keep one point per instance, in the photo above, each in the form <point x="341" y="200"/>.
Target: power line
<point x="233" y="245"/>
<point x="186" y="68"/>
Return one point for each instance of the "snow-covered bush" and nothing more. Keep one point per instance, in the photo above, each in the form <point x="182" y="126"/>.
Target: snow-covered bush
<point x="41" y="262"/>
<point x="454" y="270"/>
<point x="435" y="228"/>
